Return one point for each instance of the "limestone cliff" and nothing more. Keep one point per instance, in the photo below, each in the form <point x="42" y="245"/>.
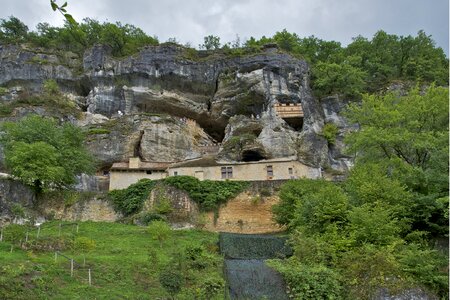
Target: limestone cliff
<point x="166" y="103"/>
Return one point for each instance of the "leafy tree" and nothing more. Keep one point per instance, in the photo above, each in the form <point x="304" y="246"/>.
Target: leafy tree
<point x="160" y="231"/>
<point x="43" y="154"/>
<point x="210" y="42"/>
<point x="408" y="135"/>
<point x="341" y="78"/>
<point x="13" y="30"/>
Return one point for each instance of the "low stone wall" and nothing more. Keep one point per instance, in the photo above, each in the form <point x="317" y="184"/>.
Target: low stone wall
<point x="247" y="213"/>
<point x="91" y="209"/>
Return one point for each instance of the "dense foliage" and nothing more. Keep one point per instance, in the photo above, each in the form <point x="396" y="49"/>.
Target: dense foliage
<point x="365" y="65"/>
<point x="123" y="39"/>
<point x="130" y="200"/>
<point x="376" y="229"/>
<point x="44" y="154"/>
<point x="208" y="194"/>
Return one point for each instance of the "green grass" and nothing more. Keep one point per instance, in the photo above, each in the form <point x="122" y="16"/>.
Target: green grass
<point x="125" y="263"/>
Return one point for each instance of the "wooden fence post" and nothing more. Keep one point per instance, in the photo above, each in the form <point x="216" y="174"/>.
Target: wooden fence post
<point x="71" y="267"/>
<point x="56" y="255"/>
<point x="26" y="237"/>
<point x="38" y="232"/>
<point x="89" y="275"/>
<point x="1" y="234"/>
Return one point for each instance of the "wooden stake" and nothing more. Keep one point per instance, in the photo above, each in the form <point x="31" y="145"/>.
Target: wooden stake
<point x="26" y="237"/>
<point x="77" y="228"/>
<point x="11" y="248"/>
<point x="1" y="234"/>
<point x="71" y="268"/>
<point x="59" y="233"/>
<point x="89" y="276"/>
<point x="56" y="256"/>
<point x="38" y="232"/>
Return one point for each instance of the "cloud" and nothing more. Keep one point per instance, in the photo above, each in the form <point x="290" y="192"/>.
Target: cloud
<point x="191" y="20"/>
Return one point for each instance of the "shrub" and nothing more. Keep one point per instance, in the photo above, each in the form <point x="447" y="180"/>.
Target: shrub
<point x="208" y="194"/>
<point x="130" y="200"/>
<point x="160" y="231"/>
<point x="171" y="280"/>
<point x="211" y="287"/>
<point x="148" y="217"/>
<point x="17" y="210"/>
<point x="51" y="87"/>
<point x="163" y="206"/>
<point x="309" y="281"/>
<point x="329" y="132"/>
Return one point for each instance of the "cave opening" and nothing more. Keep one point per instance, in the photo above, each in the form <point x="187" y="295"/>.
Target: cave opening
<point x="295" y="123"/>
<point x="252" y="155"/>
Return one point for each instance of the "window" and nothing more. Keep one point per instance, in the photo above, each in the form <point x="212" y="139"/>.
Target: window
<point x="291" y="173"/>
<point x="175" y="173"/>
<point x="149" y="172"/>
<point x="269" y="171"/>
<point x="226" y="172"/>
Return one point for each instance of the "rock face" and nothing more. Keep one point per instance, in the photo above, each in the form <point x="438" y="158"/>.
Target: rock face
<point x="18" y="204"/>
<point x="146" y="104"/>
<point x="13" y="196"/>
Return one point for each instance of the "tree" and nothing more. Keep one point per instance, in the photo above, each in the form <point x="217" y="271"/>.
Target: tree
<point x="43" y="154"/>
<point x="211" y="42"/>
<point x="408" y="136"/>
<point x="13" y="30"/>
<point x="160" y="231"/>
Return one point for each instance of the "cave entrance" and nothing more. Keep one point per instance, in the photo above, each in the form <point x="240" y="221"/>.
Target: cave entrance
<point x="292" y="113"/>
<point x="252" y="155"/>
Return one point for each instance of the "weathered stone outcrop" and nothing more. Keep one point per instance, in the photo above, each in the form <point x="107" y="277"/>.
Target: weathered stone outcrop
<point x="154" y="138"/>
<point x="214" y="89"/>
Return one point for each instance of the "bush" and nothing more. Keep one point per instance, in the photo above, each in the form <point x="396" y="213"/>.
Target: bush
<point x="309" y="281"/>
<point x="130" y="200"/>
<point x="160" y="231"/>
<point x="211" y="287"/>
<point x="208" y="194"/>
<point x="51" y="87"/>
<point x="171" y="280"/>
<point x="17" y="210"/>
<point x="329" y="132"/>
<point x="148" y="217"/>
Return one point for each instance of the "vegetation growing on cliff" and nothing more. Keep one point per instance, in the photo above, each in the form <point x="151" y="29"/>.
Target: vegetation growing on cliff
<point x="43" y="154"/>
<point x="208" y="194"/>
<point x="377" y="229"/>
<point x="365" y="65"/>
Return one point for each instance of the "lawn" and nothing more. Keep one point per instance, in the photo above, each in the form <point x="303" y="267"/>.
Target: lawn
<point x="125" y="262"/>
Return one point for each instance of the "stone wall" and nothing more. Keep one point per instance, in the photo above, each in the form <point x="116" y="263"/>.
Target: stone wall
<point x="247" y="213"/>
<point x="184" y="211"/>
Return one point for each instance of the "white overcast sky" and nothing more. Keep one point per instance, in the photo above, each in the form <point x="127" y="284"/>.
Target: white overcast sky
<point x="191" y="20"/>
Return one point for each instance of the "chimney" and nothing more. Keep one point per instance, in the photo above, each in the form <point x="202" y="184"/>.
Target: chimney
<point x="134" y="163"/>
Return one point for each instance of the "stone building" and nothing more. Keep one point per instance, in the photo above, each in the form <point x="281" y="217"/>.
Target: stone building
<point x="123" y="174"/>
<point x="269" y="169"/>
<point x="126" y="173"/>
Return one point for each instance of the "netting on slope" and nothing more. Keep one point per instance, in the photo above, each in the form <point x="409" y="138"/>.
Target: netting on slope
<point x="253" y="279"/>
<point x="253" y="246"/>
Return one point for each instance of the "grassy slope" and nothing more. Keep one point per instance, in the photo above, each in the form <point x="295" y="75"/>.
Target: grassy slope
<point x="121" y="265"/>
